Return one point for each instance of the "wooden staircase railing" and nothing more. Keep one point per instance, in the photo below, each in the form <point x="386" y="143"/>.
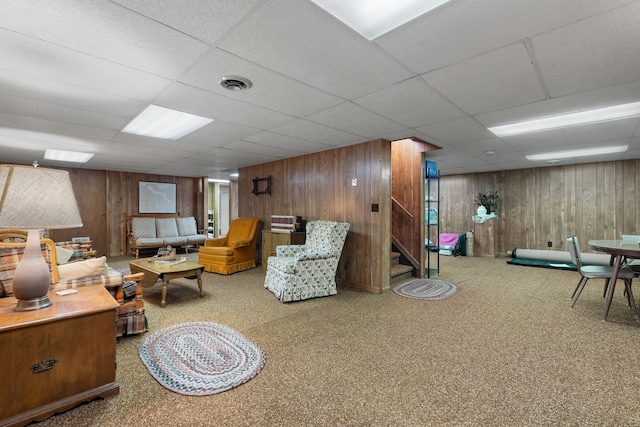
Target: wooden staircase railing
<point x="402" y="232"/>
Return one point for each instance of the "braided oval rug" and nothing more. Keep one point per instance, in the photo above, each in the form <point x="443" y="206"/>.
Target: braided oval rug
<point x="427" y="289"/>
<point x="200" y="358"/>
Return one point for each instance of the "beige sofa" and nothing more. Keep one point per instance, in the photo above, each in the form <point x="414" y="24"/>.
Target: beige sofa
<point x="155" y="231"/>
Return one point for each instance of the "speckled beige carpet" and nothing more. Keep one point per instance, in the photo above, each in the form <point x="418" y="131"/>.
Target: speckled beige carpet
<point x="507" y="351"/>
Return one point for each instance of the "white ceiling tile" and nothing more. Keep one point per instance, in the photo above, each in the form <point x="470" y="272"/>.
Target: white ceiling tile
<point x="32" y="57"/>
<point x="465" y="28"/>
<point x="76" y="70"/>
<point x="464" y="162"/>
<point x="570" y="65"/>
<point x="497" y="80"/>
<point x="55" y="128"/>
<point x="550" y="138"/>
<point x="105" y="30"/>
<point x="203" y="19"/>
<point x="354" y="119"/>
<point x="164" y="149"/>
<point x="294" y="145"/>
<point x="304" y="129"/>
<point x="52" y="92"/>
<point x="19" y="155"/>
<point x="619" y="129"/>
<point x="227" y="156"/>
<point x="411" y="103"/>
<point x="479" y="148"/>
<point x="510" y="160"/>
<point x="218" y="132"/>
<point x="253" y="148"/>
<point x="457" y="131"/>
<point x="11" y="105"/>
<point x="301" y="40"/>
<point x="270" y="89"/>
<point x="191" y="100"/>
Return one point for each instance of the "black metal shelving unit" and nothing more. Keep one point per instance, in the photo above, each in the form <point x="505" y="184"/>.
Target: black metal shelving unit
<point x="432" y="218"/>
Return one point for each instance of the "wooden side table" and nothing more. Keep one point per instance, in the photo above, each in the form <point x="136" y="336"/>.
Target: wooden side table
<point x="271" y="239"/>
<point x="57" y="357"/>
<point x="485" y="239"/>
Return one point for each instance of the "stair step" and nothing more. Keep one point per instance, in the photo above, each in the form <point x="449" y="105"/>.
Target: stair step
<point x="399" y="269"/>
<point x="401" y="273"/>
<point x="395" y="258"/>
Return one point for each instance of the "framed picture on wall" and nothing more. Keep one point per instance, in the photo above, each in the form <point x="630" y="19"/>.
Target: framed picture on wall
<point x="156" y="197"/>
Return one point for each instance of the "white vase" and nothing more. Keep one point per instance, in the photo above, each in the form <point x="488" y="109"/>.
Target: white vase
<point x="482" y="211"/>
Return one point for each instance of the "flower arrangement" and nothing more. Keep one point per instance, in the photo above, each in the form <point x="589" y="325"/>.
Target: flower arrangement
<point x="488" y="200"/>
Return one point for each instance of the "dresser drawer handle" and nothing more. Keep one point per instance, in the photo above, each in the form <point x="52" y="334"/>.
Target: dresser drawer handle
<point x="45" y="365"/>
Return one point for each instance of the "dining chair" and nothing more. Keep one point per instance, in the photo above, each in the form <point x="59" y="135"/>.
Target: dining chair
<point x="598" y="272"/>
<point x="630" y="263"/>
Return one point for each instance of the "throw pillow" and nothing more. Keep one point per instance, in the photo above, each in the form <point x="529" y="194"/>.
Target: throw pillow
<point x="166" y="227"/>
<point x="63" y="255"/>
<point x="81" y="269"/>
<point x="187" y="226"/>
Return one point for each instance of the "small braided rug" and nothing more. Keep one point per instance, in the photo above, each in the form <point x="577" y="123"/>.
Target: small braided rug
<point x="200" y="358"/>
<point x="427" y="289"/>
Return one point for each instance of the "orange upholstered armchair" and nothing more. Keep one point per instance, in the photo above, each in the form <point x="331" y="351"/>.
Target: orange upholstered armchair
<point x="233" y="252"/>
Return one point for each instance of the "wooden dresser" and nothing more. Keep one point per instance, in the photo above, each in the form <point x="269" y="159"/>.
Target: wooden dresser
<point x="56" y="357"/>
<point x="272" y="239"/>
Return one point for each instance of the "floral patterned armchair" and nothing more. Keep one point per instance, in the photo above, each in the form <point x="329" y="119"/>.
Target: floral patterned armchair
<point x="299" y="272"/>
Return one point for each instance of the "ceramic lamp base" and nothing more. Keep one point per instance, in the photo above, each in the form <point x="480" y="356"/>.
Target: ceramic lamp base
<point x="33" y="304"/>
<point x="32" y="278"/>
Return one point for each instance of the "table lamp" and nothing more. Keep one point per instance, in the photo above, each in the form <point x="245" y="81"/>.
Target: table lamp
<point x="34" y="198"/>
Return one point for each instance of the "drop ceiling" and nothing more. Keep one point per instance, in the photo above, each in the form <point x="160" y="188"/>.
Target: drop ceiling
<point x="74" y="73"/>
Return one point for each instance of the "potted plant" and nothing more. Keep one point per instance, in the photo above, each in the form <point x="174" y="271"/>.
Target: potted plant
<point x="488" y="201"/>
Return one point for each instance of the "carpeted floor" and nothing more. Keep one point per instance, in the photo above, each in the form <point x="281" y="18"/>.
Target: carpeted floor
<point x="507" y="351"/>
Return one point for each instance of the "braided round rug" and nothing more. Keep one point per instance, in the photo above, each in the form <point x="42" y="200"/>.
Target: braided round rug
<point x="427" y="289"/>
<point x="200" y="358"/>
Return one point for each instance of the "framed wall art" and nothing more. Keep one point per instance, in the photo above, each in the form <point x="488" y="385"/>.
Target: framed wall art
<point x="156" y="197"/>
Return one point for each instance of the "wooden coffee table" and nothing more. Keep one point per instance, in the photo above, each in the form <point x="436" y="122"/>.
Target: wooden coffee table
<point x="152" y="273"/>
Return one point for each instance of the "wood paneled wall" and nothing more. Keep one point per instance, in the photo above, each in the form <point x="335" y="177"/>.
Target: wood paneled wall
<point x="319" y="186"/>
<point x="594" y="201"/>
<point x="90" y="191"/>
<point x="103" y="197"/>
<point x="122" y="197"/>
<point x="407" y="218"/>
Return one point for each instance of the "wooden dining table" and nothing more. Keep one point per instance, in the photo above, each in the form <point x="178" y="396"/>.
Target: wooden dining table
<point x="619" y="251"/>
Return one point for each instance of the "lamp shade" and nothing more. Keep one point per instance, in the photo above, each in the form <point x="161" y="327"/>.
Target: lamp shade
<point x="37" y="198"/>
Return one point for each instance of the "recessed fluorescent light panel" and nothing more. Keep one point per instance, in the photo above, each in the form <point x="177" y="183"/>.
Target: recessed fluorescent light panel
<point x="160" y="122"/>
<point x="578" y="153"/>
<point x="67" y="156"/>
<point x="373" y="18"/>
<point x="607" y="114"/>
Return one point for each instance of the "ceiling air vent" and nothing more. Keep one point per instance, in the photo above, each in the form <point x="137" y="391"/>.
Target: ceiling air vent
<point x="235" y="82"/>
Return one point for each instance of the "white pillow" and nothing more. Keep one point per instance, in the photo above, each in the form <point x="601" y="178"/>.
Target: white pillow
<point x="81" y="269"/>
<point x="63" y="255"/>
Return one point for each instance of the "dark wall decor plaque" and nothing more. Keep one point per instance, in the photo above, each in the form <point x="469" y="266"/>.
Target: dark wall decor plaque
<point x="261" y="185"/>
